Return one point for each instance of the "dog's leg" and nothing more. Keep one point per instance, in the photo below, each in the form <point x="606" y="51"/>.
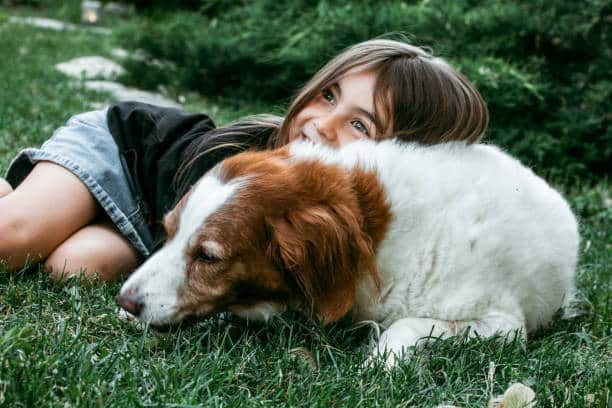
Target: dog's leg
<point x="495" y="323"/>
<point x="395" y="342"/>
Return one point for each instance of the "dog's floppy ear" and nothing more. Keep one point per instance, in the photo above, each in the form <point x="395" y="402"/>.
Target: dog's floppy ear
<point x="324" y="251"/>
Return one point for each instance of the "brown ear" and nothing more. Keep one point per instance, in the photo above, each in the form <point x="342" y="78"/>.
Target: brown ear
<point x="322" y="249"/>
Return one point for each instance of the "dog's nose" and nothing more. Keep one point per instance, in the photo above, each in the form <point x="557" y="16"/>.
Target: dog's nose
<point x="130" y="302"/>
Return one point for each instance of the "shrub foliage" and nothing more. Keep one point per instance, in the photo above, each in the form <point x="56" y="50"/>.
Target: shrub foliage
<point x="543" y="66"/>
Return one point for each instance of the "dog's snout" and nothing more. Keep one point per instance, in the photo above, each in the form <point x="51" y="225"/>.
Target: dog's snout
<point x="129" y="301"/>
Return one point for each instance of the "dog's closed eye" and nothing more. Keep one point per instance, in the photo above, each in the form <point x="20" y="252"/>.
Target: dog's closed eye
<point x="203" y="256"/>
<point x="210" y="252"/>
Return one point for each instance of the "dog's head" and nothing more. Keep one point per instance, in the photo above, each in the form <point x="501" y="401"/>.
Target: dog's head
<point x="259" y="234"/>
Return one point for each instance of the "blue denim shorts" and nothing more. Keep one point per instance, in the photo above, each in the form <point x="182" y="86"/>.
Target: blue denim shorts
<point x="86" y="148"/>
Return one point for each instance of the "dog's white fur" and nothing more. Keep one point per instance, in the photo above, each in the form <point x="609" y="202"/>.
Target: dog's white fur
<point x="160" y="278"/>
<point x="477" y="241"/>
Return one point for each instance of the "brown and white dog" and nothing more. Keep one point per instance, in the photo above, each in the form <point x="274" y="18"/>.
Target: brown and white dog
<point x="423" y="240"/>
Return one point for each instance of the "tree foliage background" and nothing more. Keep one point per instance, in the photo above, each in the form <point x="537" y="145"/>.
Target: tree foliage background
<point x="544" y="66"/>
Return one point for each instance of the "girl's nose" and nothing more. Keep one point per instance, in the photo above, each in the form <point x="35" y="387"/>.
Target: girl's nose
<point x="326" y="129"/>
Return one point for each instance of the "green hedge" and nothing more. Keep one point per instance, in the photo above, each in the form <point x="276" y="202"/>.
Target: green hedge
<point x="155" y="5"/>
<point x="67" y="10"/>
<point x="543" y="66"/>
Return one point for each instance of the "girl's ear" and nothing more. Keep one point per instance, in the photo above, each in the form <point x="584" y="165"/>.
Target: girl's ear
<point x="324" y="251"/>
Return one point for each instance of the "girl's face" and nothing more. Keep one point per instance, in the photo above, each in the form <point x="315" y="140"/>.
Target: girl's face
<point x="340" y="114"/>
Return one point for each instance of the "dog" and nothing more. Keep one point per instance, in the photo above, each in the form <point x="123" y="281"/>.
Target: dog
<point x="423" y="240"/>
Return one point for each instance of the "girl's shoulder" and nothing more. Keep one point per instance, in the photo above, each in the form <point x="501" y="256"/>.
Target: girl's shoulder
<point x="137" y="125"/>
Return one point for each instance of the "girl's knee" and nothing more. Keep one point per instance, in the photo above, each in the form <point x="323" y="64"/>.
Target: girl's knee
<point x="19" y="238"/>
<point x="5" y="187"/>
<point x="66" y="261"/>
<point x="91" y="260"/>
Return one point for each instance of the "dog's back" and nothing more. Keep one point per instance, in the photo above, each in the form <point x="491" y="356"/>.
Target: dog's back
<point x="426" y="241"/>
<point x="474" y="232"/>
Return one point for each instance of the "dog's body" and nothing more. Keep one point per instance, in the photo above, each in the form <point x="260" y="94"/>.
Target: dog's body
<point x="422" y="240"/>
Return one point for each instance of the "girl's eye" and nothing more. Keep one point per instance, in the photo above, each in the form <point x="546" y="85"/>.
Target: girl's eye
<point x="357" y="124"/>
<point x="328" y="95"/>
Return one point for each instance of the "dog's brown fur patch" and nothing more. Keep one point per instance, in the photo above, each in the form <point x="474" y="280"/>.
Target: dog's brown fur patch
<point x="298" y="233"/>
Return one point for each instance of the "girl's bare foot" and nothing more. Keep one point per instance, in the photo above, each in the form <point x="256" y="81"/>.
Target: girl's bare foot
<point x="5" y="187"/>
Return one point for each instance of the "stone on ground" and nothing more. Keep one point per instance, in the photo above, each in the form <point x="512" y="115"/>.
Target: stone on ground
<point x="97" y="70"/>
<point x="123" y="93"/>
<point x="90" y="67"/>
<point x="56" y="25"/>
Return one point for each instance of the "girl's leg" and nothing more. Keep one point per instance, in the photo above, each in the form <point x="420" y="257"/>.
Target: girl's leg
<point x="50" y="205"/>
<point x="5" y="188"/>
<point x="95" y="251"/>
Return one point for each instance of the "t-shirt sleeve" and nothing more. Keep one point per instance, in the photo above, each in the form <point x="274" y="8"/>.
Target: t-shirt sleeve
<point x="154" y="142"/>
<point x="151" y="140"/>
<point x="144" y="127"/>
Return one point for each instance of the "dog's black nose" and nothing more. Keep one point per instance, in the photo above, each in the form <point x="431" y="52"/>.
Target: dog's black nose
<point x="129" y="301"/>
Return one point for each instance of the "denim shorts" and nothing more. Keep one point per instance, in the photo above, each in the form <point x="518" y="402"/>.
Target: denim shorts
<point x="85" y="147"/>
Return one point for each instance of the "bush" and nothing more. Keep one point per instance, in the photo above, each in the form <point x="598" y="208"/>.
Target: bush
<point x="69" y="10"/>
<point x="543" y="66"/>
<point x="12" y="3"/>
<point x="153" y="5"/>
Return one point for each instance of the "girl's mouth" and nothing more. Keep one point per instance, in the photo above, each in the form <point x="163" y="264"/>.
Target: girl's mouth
<point x="307" y="133"/>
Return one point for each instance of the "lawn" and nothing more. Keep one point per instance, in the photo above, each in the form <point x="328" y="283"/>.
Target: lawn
<point x="64" y="345"/>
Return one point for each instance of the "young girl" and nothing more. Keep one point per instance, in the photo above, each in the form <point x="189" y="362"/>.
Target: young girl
<point x="91" y="199"/>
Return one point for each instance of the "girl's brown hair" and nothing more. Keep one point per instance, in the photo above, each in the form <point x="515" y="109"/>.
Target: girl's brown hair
<point x="418" y="97"/>
<point x="421" y="97"/>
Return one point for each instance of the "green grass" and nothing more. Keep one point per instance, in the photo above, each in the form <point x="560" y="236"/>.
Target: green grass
<point x="63" y="345"/>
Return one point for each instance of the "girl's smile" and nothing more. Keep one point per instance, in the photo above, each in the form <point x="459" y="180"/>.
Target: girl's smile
<point x="340" y="114"/>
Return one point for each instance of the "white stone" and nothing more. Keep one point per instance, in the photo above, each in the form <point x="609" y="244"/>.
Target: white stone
<point x="100" y="30"/>
<point x="42" y="23"/>
<point x="56" y="25"/>
<point x="119" y="53"/>
<point x="123" y="93"/>
<point x="90" y="67"/>
<point x="118" y="9"/>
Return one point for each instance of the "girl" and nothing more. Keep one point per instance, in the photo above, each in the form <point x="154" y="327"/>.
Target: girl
<point x="91" y="199"/>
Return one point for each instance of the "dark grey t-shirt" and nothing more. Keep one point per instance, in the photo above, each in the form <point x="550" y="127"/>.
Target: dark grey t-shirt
<point x="153" y="144"/>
